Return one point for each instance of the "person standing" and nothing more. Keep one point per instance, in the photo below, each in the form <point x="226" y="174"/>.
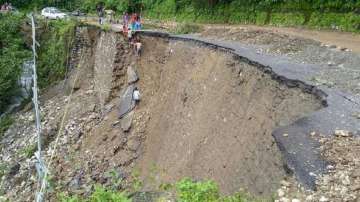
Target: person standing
<point x="100" y="11"/>
<point x="125" y="19"/>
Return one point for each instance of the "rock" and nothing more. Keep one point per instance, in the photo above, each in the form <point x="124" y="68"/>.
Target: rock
<point x="14" y="169"/>
<point x="323" y="199"/>
<point x="283" y="199"/>
<point x="285" y="183"/>
<point x="133" y="144"/>
<point x="356" y="173"/>
<point x="309" y="198"/>
<point x="115" y="123"/>
<point x="126" y="121"/>
<point x="345" y="180"/>
<point x="132" y="75"/>
<point x="342" y="133"/>
<point x="330" y="63"/>
<point x="126" y="101"/>
<point x="330" y="167"/>
<point x="295" y="200"/>
<point x="355" y="188"/>
<point x="280" y="192"/>
<point x="285" y="135"/>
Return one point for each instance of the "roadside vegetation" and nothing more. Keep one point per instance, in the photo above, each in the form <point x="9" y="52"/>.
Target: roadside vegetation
<point x="13" y="52"/>
<point x="56" y="40"/>
<point x="5" y="122"/>
<point x="186" y="190"/>
<point x="343" y="15"/>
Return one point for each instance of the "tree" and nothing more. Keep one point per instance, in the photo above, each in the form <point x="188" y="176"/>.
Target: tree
<point x="269" y="6"/>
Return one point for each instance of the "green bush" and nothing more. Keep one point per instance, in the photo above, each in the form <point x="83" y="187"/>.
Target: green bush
<point x="189" y="191"/>
<point x="13" y="53"/>
<point x="100" y="195"/>
<point x="187" y="28"/>
<point x="5" y="123"/>
<point x="54" y="52"/>
<point x="29" y="150"/>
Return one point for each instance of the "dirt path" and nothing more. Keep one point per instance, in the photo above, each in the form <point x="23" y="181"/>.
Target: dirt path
<point x="340" y="39"/>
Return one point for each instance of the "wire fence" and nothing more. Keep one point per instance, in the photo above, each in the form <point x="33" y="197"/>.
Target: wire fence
<point x="40" y="166"/>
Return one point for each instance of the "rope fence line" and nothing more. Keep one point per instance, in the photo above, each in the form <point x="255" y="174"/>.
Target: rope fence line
<point x="40" y="167"/>
<point x="42" y="170"/>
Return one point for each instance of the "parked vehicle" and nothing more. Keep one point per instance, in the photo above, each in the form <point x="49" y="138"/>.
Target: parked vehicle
<point x="52" y="13"/>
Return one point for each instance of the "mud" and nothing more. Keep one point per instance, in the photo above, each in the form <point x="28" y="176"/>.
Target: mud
<point x="212" y="116"/>
<point x="205" y="113"/>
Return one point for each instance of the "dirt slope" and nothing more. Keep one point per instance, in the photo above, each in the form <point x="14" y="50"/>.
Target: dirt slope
<point x="203" y="114"/>
<point x="211" y="117"/>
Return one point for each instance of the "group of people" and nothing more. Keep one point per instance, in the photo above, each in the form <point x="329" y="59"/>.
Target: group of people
<point x="6" y="7"/>
<point x="131" y="24"/>
<point x="134" y="41"/>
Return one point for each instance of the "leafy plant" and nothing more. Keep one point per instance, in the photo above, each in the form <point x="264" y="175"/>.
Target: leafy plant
<point x="187" y="28"/>
<point x="13" y="53"/>
<point x="56" y="42"/>
<point x="5" y="124"/>
<point x="100" y="195"/>
<point x="189" y="191"/>
<point x="29" y="150"/>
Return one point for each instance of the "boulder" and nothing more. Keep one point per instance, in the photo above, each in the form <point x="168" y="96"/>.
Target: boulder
<point x="132" y="75"/>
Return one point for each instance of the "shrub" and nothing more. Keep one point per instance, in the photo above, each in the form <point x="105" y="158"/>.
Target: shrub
<point x="13" y="53"/>
<point x="5" y="123"/>
<point x="189" y="191"/>
<point x="56" y="42"/>
<point x="187" y="28"/>
<point x="100" y="195"/>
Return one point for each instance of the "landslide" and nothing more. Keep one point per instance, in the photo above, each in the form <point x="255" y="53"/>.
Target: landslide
<point x="211" y="117"/>
<point x="204" y="113"/>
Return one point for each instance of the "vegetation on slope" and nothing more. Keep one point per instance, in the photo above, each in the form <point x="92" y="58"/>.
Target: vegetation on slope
<point x="55" y="38"/>
<point x="185" y="190"/>
<point x="56" y="41"/>
<point x="12" y="54"/>
<point x="336" y="14"/>
<point x="339" y="14"/>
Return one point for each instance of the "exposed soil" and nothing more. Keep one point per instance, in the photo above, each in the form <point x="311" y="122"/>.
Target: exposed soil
<point x="212" y="117"/>
<point x="204" y="114"/>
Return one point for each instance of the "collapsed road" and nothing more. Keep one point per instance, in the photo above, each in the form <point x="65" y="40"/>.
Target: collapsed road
<point x="299" y="149"/>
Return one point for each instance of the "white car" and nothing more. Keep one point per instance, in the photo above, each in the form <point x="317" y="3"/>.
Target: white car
<point x="52" y="13"/>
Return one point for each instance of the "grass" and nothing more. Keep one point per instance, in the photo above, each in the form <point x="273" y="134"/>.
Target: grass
<point x="348" y="22"/>
<point x="99" y="195"/>
<point x="3" y="169"/>
<point x="186" y="190"/>
<point x="5" y="124"/>
<point x="29" y="150"/>
<point x="187" y="28"/>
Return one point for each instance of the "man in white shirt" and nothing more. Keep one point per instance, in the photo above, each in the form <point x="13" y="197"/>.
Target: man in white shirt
<point x="136" y="95"/>
<point x="138" y="48"/>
